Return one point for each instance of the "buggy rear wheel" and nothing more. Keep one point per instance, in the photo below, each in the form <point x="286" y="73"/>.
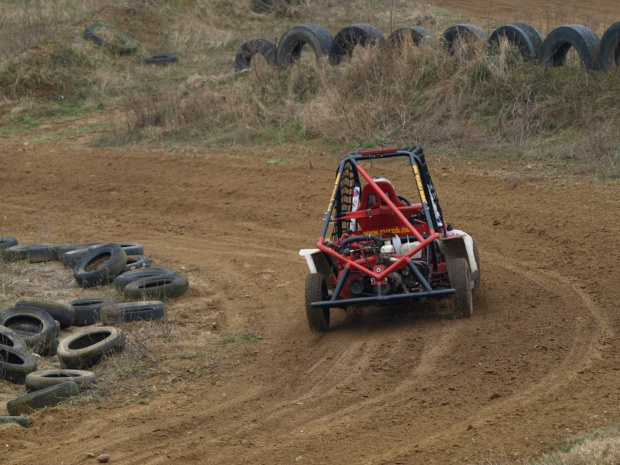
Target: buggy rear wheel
<point x="460" y="279"/>
<point x="316" y="291"/>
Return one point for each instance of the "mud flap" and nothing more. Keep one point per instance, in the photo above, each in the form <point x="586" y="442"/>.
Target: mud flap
<point x="317" y="263"/>
<point x="460" y="246"/>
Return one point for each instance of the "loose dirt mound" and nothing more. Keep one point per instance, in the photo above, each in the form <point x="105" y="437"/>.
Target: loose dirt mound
<point x="537" y="361"/>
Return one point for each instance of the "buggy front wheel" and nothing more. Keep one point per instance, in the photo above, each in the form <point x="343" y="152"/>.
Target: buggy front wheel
<point x="460" y="280"/>
<point x="316" y="291"/>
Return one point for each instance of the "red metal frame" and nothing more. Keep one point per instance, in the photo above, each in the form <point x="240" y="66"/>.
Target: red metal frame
<point x="404" y="259"/>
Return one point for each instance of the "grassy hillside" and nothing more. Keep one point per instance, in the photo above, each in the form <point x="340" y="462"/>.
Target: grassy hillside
<point x="471" y="103"/>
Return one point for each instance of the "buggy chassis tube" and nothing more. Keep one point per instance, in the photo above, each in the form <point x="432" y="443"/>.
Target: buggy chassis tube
<point x="381" y="298"/>
<point x="402" y="260"/>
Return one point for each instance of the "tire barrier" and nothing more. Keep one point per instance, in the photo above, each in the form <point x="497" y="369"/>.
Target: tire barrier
<point x="524" y="36"/>
<point x="250" y="49"/>
<point x="413" y="34"/>
<point x="559" y="41"/>
<point x="349" y="37"/>
<point x="594" y="52"/>
<point x="292" y="42"/>
<point x="609" y="55"/>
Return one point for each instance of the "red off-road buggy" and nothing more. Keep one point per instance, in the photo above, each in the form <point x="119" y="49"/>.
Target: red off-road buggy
<point x="378" y="247"/>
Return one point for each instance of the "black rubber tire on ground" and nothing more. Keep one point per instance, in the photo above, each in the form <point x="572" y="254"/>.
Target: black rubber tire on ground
<point x="251" y="48"/>
<point x="460" y="280"/>
<point x="51" y="349"/>
<point x="316" y="291"/>
<point x="21" y="421"/>
<point x="41" y="321"/>
<point x="133" y="311"/>
<point x="47" y="397"/>
<point x="413" y="34"/>
<point x="100" y="265"/>
<point x="86" y="348"/>
<point x="61" y="312"/>
<point x="349" y="37"/>
<point x="7" y="241"/>
<point x="42" y="379"/>
<point x="477" y="275"/>
<point x="462" y="32"/>
<point x="157" y="287"/>
<point x="33" y="253"/>
<point x="292" y="42"/>
<point x="559" y="41"/>
<point x="87" y="311"/>
<point x="524" y="36"/>
<point x="62" y="249"/>
<point x="161" y="59"/>
<point x="123" y="44"/>
<point x="124" y="279"/>
<point x="70" y="258"/>
<point x="11" y="339"/>
<point x="15" y="364"/>
<point x="131" y="248"/>
<point x="609" y="55"/>
<point x="136" y="262"/>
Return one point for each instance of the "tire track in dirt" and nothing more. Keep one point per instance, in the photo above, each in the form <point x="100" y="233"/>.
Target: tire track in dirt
<point x="579" y="358"/>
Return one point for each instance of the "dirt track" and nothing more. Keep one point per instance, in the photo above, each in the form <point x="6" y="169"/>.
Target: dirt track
<point x="536" y="362"/>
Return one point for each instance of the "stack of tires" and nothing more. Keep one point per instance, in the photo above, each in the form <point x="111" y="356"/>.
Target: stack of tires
<point x="594" y="52"/>
<point x="32" y="326"/>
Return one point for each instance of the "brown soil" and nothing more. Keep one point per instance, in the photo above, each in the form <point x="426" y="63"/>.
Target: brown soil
<point x="537" y="361"/>
<point x="544" y="15"/>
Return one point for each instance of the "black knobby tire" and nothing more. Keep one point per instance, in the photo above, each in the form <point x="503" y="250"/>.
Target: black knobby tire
<point x="33" y="253"/>
<point x="414" y="34"/>
<point x="15" y="365"/>
<point x="349" y="37"/>
<point x="460" y="280"/>
<point x="463" y="33"/>
<point x="250" y="49"/>
<point x="11" y="339"/>
<point x="86" y="348"/>
<point x="124" y="279"/>
<point x="87" y="311"/>
<point x="21" y="421"/>
<point x="525" y="37"/>
<point x="316" y="291"/>
<point x="136" y="262"/>
<point x="121" y="44"/>
<point x="157" y="287"/>
<point x="556" y="45"/>
<point x="63" y="313"/>
<point x="292" y="42"/>
<point x="610" y="48"/>
<point x="47" y="397"/>
<point x="100" y="265"/>
<point x="161" y="59"/>
<point x="43" y="379"/>
<point x="133" y="311"/>
<point x="41" y="321"/>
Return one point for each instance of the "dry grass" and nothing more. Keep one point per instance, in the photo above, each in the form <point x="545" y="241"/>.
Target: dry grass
<point x="461" y="104"/>
<point x="470" y="103"/>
